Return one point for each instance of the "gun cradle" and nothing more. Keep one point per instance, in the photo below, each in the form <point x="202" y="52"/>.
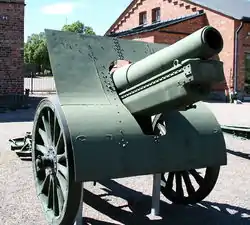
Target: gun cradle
<point x="182" y="85"/>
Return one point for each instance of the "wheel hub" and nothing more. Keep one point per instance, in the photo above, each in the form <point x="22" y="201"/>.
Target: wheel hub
<point x="49" y="160"/>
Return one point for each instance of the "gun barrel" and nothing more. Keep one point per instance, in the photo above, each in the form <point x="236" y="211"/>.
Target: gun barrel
<point x="203" y="44"/>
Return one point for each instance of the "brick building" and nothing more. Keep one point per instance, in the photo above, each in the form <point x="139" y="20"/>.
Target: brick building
<point x="11" y="47"/>
<point x="167" y="21"/>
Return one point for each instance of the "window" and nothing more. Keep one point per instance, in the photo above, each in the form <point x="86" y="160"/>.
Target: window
<point x="142" y="18"/>
<point x="247" y="73"/>
<point x="156" y="15"/>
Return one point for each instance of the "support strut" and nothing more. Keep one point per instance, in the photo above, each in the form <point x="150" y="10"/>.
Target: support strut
<point x="155" y="207"/>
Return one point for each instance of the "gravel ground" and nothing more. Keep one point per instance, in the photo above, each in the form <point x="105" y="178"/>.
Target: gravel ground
<point x="229" y="202"/>
<point x="231" y="114"/>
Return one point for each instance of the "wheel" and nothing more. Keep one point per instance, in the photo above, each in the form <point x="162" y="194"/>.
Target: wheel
<point x="53" y="165"/>
<point x="186" y="187"/>
<point x="190" y="187"/>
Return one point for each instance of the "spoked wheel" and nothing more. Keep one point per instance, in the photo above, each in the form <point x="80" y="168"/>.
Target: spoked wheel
<point x="53" y="165"/>
<point x="186" y="187"/>
<point x="189" y="187"/>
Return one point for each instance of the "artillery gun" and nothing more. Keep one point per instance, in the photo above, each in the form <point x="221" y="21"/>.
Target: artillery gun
<point x="103" y="122"/>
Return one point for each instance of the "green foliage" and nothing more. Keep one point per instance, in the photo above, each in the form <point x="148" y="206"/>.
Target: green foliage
<point x="35" y="49"/>
<point x="36" y="52"/>
<point x="78" y="27"/>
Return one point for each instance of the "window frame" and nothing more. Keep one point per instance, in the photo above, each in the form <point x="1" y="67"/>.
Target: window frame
<point x="141" y="18"/>
<point x="156" y="15"/>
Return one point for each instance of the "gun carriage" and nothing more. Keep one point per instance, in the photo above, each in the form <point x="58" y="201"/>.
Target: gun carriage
<point x="142" y="118"/>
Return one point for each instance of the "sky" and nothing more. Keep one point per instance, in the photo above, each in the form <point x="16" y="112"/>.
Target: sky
<point x="53" y="14"/>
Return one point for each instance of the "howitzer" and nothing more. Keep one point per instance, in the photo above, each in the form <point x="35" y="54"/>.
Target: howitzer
<point x="142" y="118"/>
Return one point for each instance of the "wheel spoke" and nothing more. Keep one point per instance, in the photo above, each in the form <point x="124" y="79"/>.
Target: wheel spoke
<point x="199" y="179"/>
<point x="54" y="130"/>
<point x="60" y="198"/>
<point x="44" y="137"/>
<point x="59" y="140"/>
<point x="178" y="181"/>
<point x="50" y="123"/>
<point x="61" y="157"/>
<point x="45" y="185"/>
<point x="41" y="149"/>
<point x="161" y="128"/>
<point x="47" y="130"/>
<point x="55" y="197"/>
<point x="170" y="180"/>
<point x="50" y="194"/>
<point x="188" y="183"/>
<point x="163" y="180"/>
<point x="63" y="170"/>
<point x="63" y="185"/>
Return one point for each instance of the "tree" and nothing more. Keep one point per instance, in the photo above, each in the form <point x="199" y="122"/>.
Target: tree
<point x="35" y="49"/>
<point x="78" y="27"/>
<point x="36" y="52"/>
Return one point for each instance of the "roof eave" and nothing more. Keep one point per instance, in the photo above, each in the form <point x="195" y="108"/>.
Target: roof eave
<point x="20" y="2"/>
<point x="121" y="16"/>
<point x="134" y="31"/>
<point x="245" y="19"/>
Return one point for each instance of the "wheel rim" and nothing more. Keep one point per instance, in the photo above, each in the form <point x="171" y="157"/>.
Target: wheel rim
<point x="50" y="163"/>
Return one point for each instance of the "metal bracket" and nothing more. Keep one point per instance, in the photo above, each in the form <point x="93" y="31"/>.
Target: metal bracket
<point x="22" y="146"/>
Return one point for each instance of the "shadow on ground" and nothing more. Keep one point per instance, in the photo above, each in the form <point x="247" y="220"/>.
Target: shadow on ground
<point x="239" y="154"/>
<point x="21" y="115"/>
<point x="206" y="213"/>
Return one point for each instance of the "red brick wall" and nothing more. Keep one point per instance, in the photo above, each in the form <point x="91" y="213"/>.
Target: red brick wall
<point x="147" y="37"/>
<point x="243" y="47"/>
<point x="175" y="8"/>
<point x="11" y="47"/>
<point x="186" y="27"/>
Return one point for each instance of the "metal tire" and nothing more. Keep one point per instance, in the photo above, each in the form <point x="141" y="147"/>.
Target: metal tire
<point x="53" y="165"/>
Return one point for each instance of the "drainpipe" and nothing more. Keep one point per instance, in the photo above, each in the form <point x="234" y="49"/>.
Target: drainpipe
<point x="236" y="56"/>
